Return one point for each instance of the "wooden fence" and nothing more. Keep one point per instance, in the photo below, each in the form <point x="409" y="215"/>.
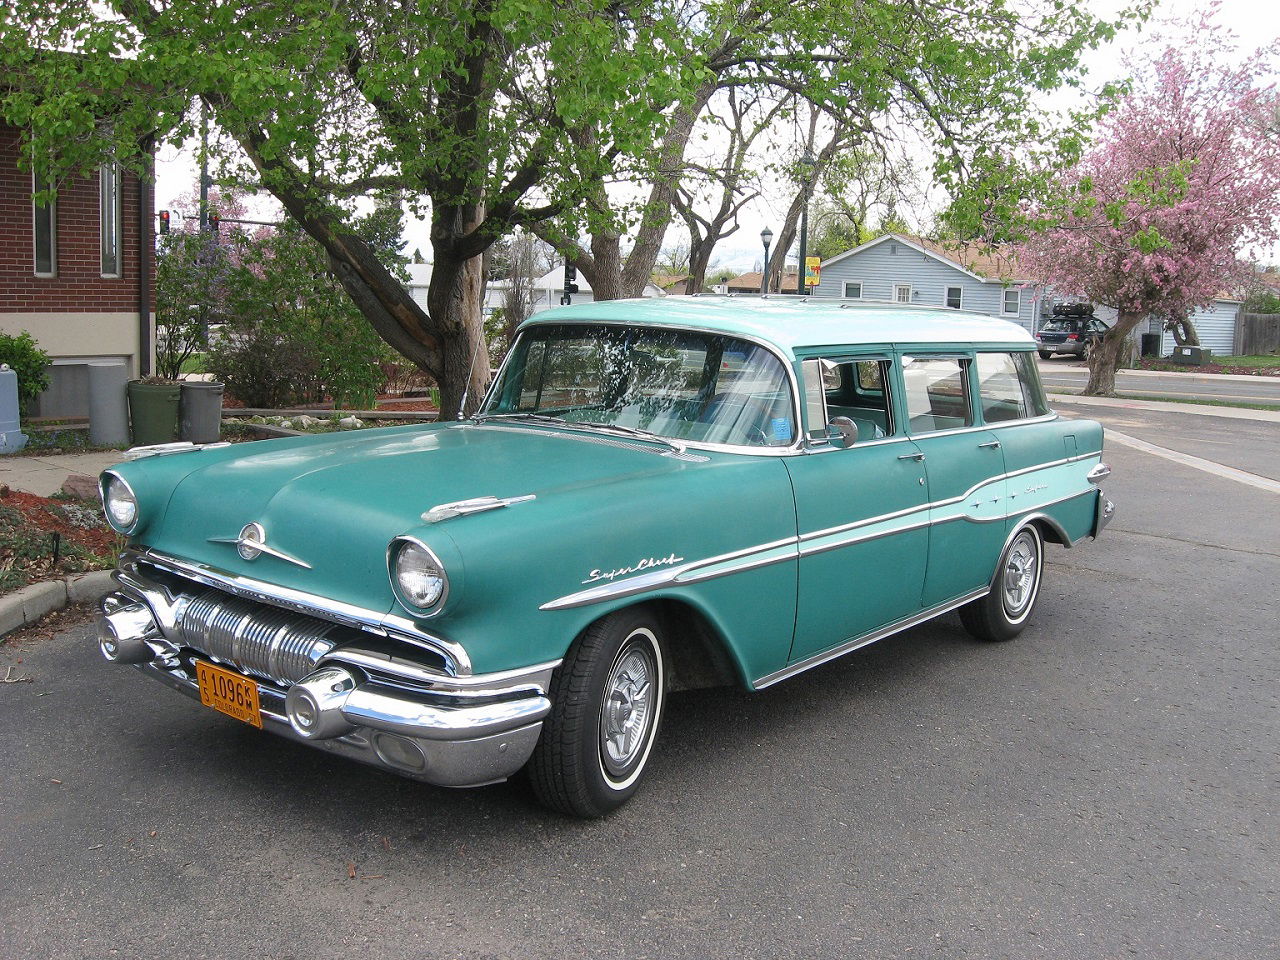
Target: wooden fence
<point x="1259" y="333"/>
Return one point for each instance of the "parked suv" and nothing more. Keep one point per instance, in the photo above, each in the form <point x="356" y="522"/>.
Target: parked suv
<point x="1073" y="330"/>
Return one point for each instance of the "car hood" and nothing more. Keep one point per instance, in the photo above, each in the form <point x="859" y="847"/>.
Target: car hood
<point x="332" y="503"/>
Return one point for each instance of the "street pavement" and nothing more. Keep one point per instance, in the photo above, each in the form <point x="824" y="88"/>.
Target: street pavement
<point x="1104" y="786"/>
<point x="1068" y="375"/>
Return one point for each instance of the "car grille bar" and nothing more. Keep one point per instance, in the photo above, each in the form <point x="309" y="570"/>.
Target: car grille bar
<point x="275" y="644"/>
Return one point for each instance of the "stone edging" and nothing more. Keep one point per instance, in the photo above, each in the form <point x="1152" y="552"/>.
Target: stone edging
<point x="24" y="607"/>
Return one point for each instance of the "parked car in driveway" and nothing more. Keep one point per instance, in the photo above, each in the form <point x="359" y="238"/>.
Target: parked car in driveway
<point x="1073" y="331"/>
<point x="654" y="495"/>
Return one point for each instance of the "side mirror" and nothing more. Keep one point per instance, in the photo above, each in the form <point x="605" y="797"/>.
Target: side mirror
<point x="846" y="428"/>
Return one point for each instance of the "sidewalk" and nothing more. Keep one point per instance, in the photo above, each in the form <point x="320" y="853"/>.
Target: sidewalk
<point x="1190" y="373"/>
<point x="45" y="475"/>
<point x="1194" y="409"/>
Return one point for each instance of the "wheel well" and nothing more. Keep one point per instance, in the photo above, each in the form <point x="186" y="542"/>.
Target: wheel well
<point x="1050" y="532"/>
<point x="696" y="652"/>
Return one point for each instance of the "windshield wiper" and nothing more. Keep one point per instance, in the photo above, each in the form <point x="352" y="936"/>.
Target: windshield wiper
<point x="675" y="445"/>
<point x="530" y="417"/>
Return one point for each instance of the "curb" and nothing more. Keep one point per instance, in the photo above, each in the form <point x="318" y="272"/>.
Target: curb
<point x="24" y="607"/>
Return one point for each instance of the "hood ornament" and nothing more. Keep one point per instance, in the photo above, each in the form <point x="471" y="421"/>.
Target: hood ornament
<point x="252" y="543"/>
<point x="460" y="508"/>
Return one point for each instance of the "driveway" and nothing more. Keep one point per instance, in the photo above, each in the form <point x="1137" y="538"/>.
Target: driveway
<point x="1102" y="787"/>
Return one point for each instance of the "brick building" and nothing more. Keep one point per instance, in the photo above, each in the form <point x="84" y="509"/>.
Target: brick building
<point x="79" y="275"/>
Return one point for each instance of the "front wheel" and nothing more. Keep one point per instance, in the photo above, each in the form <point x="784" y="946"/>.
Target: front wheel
<point x="606" y="703"/>
<point x="1003" y="612"/>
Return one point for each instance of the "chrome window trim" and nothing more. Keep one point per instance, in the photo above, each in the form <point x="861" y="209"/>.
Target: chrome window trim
<point x="818" y="659"/>
<point x="794" y="448"/>
<point x="393" y="550"/>
<point x="385" y="624"/>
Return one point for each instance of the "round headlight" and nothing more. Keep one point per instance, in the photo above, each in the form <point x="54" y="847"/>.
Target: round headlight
<point x="418" y="576"/>
<point x="119" y="504"/>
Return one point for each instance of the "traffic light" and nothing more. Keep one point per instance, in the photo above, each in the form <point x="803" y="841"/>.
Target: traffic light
<point x="164" y="221"/>
<point x="215" y="221"/>
<point x="570" y="275"/>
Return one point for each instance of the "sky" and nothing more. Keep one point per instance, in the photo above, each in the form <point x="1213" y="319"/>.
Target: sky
<point x="1254" y="21"/>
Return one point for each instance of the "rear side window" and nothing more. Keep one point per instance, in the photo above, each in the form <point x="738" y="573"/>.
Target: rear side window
<point x="1009" y="387"/>
<point x="936" y="394"/>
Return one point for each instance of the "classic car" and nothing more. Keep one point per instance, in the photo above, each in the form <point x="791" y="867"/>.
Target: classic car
<point x="654" y="495"/>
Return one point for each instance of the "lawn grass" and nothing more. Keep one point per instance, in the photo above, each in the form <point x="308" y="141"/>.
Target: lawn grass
<point x="1267" y="361"/>
<point x="193" y="364"/>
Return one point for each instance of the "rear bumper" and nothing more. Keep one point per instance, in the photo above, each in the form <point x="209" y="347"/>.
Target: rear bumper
<point x="369" y="698"/>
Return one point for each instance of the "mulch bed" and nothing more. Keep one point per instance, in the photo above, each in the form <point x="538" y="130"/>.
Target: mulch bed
<point x="1167" y="367"/>
<point x="47" y="539"/>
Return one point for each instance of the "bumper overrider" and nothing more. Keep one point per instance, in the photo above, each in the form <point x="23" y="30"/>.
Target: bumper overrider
<point x="1105" y="509"/>
<point x="357" y="683"/>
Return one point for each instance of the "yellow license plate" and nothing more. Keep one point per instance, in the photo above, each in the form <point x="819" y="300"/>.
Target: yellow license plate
<point x="229" y="692"/>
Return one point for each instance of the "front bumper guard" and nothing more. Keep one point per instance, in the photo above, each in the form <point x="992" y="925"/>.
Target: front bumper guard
<point x="384" y="711"/>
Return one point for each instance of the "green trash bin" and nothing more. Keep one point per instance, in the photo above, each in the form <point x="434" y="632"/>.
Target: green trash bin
<point x="201" y="416"/>
<point x="153" y="412"/>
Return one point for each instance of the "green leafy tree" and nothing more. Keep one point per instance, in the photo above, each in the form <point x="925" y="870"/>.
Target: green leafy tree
<point x="191" y="275"/>
<point x="467" y="110"/>
<point x="290" y="334"/>
<point x="491" y="114"/>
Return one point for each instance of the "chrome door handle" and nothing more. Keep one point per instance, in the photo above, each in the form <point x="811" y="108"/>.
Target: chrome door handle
<point x="989" y="445"/>
<point x="912" y="456"/>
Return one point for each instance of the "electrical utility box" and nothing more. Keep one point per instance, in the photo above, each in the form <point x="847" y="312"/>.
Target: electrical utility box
<point x="12" y="438"/>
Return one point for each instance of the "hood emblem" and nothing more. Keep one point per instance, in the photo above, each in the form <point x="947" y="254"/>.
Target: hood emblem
<point x="461" y="508"/>
<point x="252" y="543"/>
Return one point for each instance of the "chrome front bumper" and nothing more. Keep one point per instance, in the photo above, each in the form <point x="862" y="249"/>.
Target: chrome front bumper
<point x="365" y="697"/>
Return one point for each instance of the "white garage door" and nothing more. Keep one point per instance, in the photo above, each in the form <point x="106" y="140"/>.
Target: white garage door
<point x="1215" y="325"/>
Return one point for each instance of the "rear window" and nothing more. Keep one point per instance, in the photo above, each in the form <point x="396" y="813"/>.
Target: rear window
<point x="1063" y="325"/>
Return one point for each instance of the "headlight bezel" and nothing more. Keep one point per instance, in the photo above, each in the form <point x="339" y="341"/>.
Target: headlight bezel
<point x="105" y="486"/>
<point x="395" y="550"/>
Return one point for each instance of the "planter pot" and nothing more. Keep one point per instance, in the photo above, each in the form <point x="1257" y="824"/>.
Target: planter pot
<point x="201" y="419"/>
<point x="153" y="412"/>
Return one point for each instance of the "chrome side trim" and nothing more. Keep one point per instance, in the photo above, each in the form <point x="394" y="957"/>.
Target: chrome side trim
<point x="849" y="646"/>
<point x="808" y="544"/>
<point x="536" y="679"/>
<point x="372" y="621"/>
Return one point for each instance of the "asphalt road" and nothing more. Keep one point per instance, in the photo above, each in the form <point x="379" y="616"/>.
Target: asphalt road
<point x="1104" y="786"/>
<point x="1067" y="374"/>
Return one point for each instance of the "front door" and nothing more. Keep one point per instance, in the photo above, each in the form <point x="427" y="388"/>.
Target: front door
<point x="861" y="510"/>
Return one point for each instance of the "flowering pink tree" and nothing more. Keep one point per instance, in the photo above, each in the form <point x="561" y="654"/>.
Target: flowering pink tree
<point x="1184" y="179"/>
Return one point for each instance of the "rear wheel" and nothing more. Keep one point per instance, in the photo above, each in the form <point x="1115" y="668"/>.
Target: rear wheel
<point x="1003" y="612"/>
<point x="606" y="704"/>
<point x="1044" y="354"/>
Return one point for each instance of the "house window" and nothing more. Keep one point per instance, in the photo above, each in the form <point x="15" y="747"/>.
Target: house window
<point x="44" y="229"/>
<point x="853" y="291"/>
<point x="109" y="217"/>
<point x="902" y="292"/>
<point x="955" y="297"/>
<point x="1012" y="302"/>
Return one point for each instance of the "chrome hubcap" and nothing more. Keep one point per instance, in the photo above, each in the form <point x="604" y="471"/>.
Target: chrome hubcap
<point x="1020" y="574"/>
<point x="627" y="711"/>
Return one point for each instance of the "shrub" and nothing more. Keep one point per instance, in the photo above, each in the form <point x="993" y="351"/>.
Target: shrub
<point x="29" y="362"/>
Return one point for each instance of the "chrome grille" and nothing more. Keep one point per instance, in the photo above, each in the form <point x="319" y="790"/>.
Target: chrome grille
<point x="266" y="641"/>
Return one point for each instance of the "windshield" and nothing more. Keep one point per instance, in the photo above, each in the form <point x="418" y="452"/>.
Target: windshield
<point x="695" y="387"/>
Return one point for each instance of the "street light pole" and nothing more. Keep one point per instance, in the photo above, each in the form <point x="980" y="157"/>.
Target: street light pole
<point x="807" y="163"/>
<point x="766" y="235"/>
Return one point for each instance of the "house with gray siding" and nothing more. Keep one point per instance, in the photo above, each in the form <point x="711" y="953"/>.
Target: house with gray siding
<point x="898" y="269"/>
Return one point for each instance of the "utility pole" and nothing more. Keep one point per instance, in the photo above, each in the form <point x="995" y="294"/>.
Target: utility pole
<point x="204" y="166"/>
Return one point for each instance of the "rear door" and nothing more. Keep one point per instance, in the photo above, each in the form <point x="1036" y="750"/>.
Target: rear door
<point x="964" y="470"/>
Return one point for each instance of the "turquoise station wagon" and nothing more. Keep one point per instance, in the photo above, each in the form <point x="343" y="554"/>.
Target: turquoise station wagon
<point x="654" y="495"/>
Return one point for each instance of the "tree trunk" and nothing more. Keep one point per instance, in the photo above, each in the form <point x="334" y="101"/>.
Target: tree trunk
<point x="1183" y="330"/>
<point x="1106" y="358"/>
<point x="453" y="301"/>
